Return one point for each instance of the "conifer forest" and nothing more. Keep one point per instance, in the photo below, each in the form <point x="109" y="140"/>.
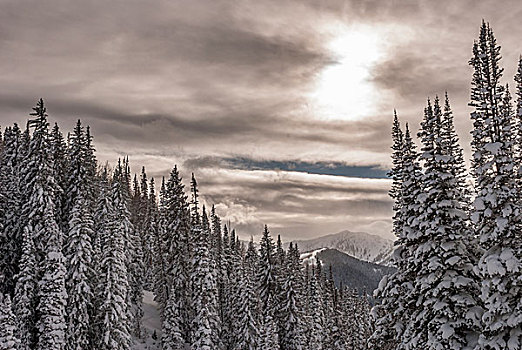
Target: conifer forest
<point x="82" y="243"/>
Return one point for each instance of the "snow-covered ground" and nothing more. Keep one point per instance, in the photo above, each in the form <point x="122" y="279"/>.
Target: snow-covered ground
<point x="310" y="258"/>
<point x="151" y="325"/>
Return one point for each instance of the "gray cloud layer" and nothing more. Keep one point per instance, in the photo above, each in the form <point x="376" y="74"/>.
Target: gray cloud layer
<point x="180" y="81"/>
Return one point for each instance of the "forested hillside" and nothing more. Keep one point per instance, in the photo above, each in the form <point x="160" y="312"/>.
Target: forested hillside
<point x="80" y="243"/>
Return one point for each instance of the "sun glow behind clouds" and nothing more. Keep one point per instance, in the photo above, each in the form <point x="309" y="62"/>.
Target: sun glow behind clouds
<point x="344" y="90"/>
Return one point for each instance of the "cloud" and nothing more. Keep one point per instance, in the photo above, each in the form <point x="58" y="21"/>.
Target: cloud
<point x="209" y="84"/>
<point x="295" y="204"/>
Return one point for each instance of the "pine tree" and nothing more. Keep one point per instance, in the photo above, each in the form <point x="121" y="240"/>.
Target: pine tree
<point x="175" y="232"/>
<point x="39" y="223"/>
<point x="173" y="338"/>
<point x="133" y="247"/>
<point x="385" y="317"/>
<point x="401" y="290"/>
<point x="248" y="334"/>
<point x="59" y="156"/>
<point x="268" y="332"/>
<point x="161" y="280"/>
<point x="396" y="173"/>
<point x="51" y="292"/>
<point x="446" y="316"/>
<point x="203" y="283"/>
<point x="494" y="212"/>
<point x="452" y="149"/>
<point x="113" y="319"/>
<point x="317" y="330"/>
<point x="8" y="331"/>
<point x="25" y="294"/>
<point x="292" y="332"/>
<point x="247" y="331"/>
<point x="10" y="209"/>
<point x="146" y="229"/>
<point x="518" y="122"/>
<point x="79" y="276"/>
<point x="78" y="220"/>
<point x="266" y="270"/>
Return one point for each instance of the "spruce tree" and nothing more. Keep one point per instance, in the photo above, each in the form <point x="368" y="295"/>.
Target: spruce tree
<point x="113" y="319"/>
<point x="317" y="321"/>
<point x="291" y="299"/>
<point x="396" y="173"/>
<point x="40" y="225"/>
<point x="266" y="270"/>
<point x="203" y="282"/>
<point x="25" y="294"/>
<point x="10" y="209"/>
<point x="495" y="208"/>
<point x="178" y="253"/>
<point x="385" y="317"/>
<point x="52" y="296"/>
<point x="446" y="316"/>
<point x="79" y="275"/>
<point x="78" y="220"/>
<point x="161" y="279"/>
<point x="60" y="159"/>
<point x="402" y="287"/>
<point x="268" y="333"/>
<point x="248" y="315"/>
<point x="452" y="149"/>
<point x="8" y="331"/>
<point x="247" y="328"/>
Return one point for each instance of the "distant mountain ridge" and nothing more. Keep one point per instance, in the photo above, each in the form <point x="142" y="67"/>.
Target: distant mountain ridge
<point x="360" y="245"/>
<point x="347" y="270"/>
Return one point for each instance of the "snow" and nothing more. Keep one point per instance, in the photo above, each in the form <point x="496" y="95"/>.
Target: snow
<point x="360" y="245"/>
<point x="151" y="323"/>
<point x="311" y="257"/>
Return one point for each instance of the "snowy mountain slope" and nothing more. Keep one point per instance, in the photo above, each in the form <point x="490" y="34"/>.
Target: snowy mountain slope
<point x="349" y="271"/>
<point x="360" y="245"/>
<point x="151" y="324"/>
<point x="310" y="257"/>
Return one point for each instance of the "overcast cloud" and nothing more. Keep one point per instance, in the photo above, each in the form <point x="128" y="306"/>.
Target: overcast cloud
<point x="225" y="89"/>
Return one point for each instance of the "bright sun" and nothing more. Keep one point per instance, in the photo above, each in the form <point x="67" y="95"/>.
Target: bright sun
<point x="344" y="90"/>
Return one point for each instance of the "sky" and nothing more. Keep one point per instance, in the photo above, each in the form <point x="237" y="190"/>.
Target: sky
<point x="282" y="109"/>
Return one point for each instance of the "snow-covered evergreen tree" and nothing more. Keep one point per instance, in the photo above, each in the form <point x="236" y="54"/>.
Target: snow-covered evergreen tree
<point x="60" y="160"/>
<point x="248" y="316"/>
<point x="386" y="314"/>
<point x="203" y="282"/>
<point x="10" y="209"/>
<point x="113" y="319"/>
<point x="292" y="337"/>
<point x="52" y="296"/>
<point x="266" y="270"/>
<point x="133" y="247"/>
<point x="39" y="224"/>
<point x="25" y="294"/>
<point x="496" y="205"/>
<point x="161" y="277"/>
<point x="317" y="322"/>
<point x="78" y="243"/>
<point x="396" y="173"/>
<point x="79" y="276"/>
<point x="175" y="231"/>
<point x="452" y="149"/>
<point x="268" y="332"/>
<point x="446" y="316"/>
<point x="247" y="331"/>
<point x="8" y="331"/>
